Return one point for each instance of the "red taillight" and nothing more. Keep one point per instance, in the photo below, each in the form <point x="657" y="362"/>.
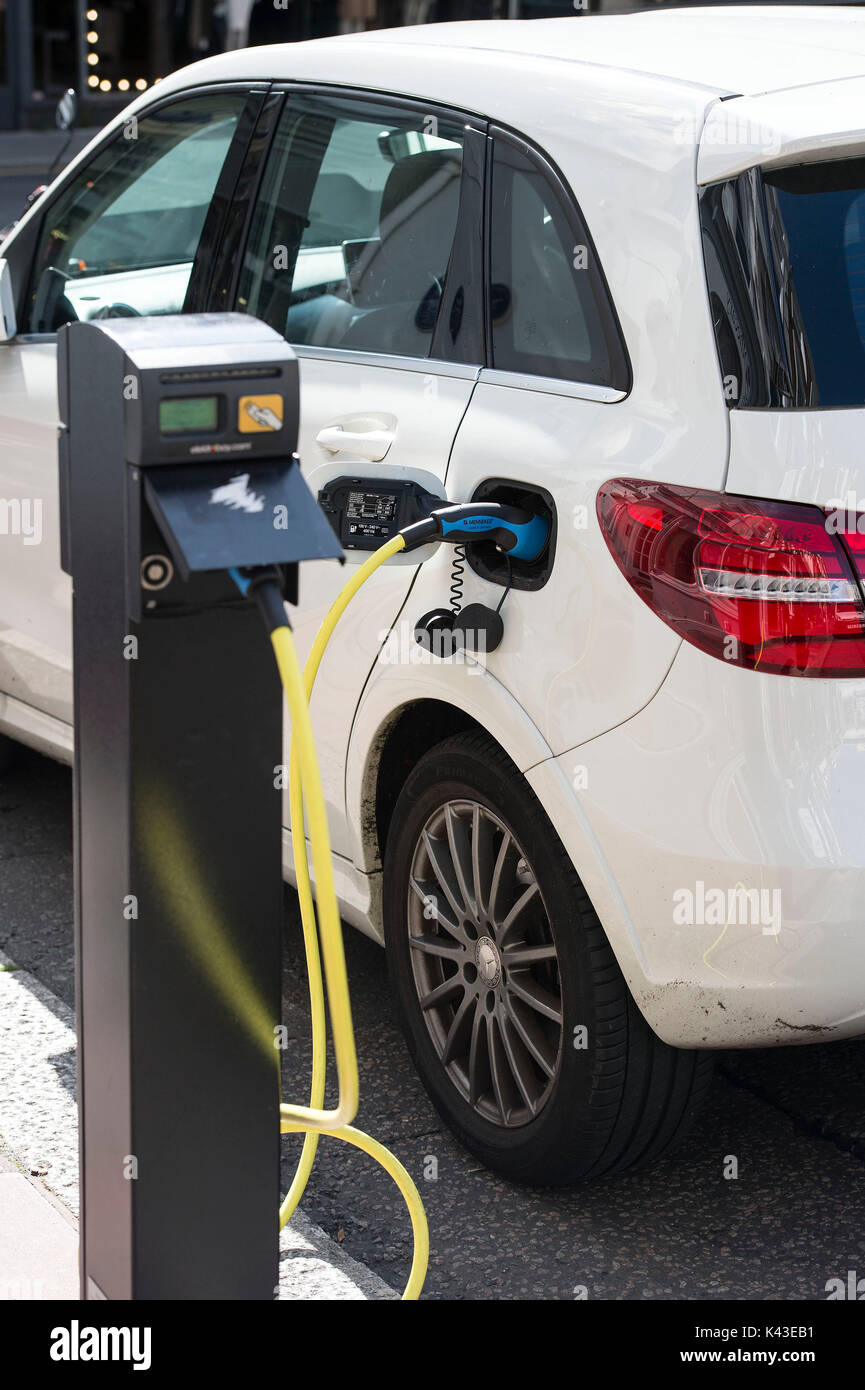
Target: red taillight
<point x="853" y="535"/>
<point x="765" y="585"/>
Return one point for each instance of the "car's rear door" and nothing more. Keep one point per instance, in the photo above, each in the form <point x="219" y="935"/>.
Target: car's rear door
<point x="364" y="250"/>
<point x="552" y="417"/>
<point x="132" y="230"/>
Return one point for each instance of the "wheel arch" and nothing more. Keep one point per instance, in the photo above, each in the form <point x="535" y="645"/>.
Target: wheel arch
<point x="391" y="733"/>
<point x="400" y="717"/>
<point x="411" y="731"/>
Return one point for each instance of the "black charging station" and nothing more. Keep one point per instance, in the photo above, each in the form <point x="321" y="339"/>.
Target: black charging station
<point x="177" y="463"/>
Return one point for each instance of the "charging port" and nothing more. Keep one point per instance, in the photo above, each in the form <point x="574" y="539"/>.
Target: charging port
<point x="488" y="561"/>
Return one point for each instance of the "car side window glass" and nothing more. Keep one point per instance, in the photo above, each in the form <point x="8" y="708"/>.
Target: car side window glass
<point x="854" y="257"/>
<point x="353" y="228"/>
<point x="546" y="301"/>
<point x="121" y="238"/>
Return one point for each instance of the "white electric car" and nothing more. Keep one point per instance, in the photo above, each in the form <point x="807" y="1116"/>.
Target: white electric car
<point x="611" y="270"/>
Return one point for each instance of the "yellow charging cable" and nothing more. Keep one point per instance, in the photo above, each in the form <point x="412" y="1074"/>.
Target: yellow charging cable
<point x="305" y="792"/>
<point x="299" y="1116"/>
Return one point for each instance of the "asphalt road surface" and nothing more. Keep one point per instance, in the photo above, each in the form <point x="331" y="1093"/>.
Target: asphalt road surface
<point x="794" y="1119"/>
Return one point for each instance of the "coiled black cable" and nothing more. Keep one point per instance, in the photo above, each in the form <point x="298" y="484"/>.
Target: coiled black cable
<point x="457" y="571"/>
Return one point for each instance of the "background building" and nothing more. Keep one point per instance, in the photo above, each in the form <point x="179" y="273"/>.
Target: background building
<point x="109" y="49"/>
<point x="106" y="51"/>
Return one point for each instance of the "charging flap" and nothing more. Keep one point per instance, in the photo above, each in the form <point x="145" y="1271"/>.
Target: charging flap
<point x="215" y="516"/>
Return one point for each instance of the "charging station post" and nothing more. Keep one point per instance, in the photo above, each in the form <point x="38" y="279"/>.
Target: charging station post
<point x="177" y="463"/>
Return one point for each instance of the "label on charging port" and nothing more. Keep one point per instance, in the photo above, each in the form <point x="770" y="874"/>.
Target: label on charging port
<point x="371" y="514"/>
<point x="371" y="506"/>
<point x="367" y="529"/>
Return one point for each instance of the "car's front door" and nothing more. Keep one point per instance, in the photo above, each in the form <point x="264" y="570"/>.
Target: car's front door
<point x="131" y="232"/>
<point x="364" y="251"/>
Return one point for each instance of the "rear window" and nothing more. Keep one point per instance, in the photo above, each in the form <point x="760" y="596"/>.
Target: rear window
<point x="785" y="264"/>
<point x="547" y="307"/>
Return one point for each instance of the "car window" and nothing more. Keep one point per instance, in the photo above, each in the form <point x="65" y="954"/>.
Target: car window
<point x="353" y="228"/>
<point x="121" y="238"/>
<point x="784" y="254"/>
<point x="854" y="257"/>
<point x="815" y="213"/>
<point x="548" y="311"/>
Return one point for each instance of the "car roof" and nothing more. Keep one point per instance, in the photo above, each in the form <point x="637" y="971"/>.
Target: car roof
<point x="741" y="49"/>
<point x="730" y="49"/>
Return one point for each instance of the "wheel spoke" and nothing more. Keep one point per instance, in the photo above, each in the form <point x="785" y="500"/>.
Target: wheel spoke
<point x="479" y="1037"/>
<point x="498" y="1070"/>
<point x="534" y="1039"/>
<point x="461" y="855"/>
<point x="435" y="946"/>
<point x="482" y="857"/>
<point x="527" y="896"/>
<point x="536" y="996"/>
<point x="460" y="1019"/>
<point x="426" y="891"/>
<point x="498" y="870"/>
<point x="443" y="868"/>
<point x="443" y="993"/>
<point x="520" y="1066"/>
<point x="514" y="957"/>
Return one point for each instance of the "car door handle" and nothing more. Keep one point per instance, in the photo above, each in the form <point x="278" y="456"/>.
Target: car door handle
<point x="369" y="444"/>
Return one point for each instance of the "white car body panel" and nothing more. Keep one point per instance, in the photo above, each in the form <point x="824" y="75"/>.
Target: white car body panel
<point x="734" y="777"/>
<point x="571" y="688"/>
<point x="37" y="730"/>
<point x="799" y="455"/>
<point x="35" y="636"/>
<point x="659" y="766"/>
<point x="336" y="387"/>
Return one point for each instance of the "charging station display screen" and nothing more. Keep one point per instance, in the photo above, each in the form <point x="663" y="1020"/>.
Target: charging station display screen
<point x="189" y="415"/>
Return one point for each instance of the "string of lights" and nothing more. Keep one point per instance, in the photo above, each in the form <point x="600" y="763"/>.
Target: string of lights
<point x="104" y="84"/>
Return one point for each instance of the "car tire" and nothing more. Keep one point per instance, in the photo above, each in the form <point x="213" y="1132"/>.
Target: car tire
<point x="527" y="1040"/>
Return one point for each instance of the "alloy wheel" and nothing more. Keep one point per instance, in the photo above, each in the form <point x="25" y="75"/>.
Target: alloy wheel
<point x="484" y="963"/>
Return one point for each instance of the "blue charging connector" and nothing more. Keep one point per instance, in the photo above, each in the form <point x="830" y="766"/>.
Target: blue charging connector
<point x="521" y="534"/>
